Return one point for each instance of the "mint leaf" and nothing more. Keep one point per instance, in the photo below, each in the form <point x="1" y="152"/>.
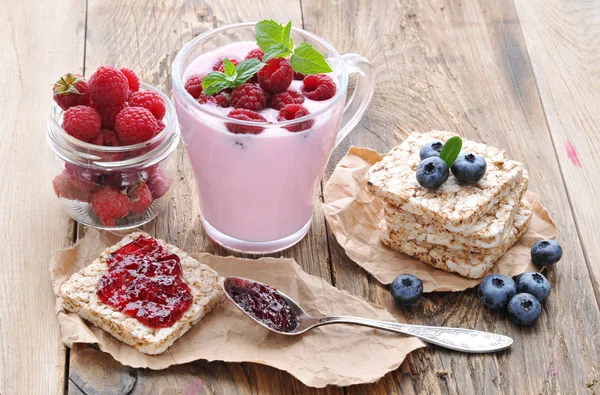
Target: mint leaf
<point x="229" y="68"/>
<point x="233" y="77"/>
<point x="274" y="39"/>
<point x="276" y="51"/>
<point x="268" y="33"/>
<point x="246" y="69"/>
<point x="451" y="150"/>
<point x="286" y="36"/>
<point x="307" y="60"/>
<point x="215" y="82"/>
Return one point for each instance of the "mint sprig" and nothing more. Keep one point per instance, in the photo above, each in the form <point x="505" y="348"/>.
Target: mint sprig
<point x="310" y="60"/>
<point x="234" y="76"/>
<point x="276" y="42"/>
<point x="274" y="39"/>
<point x="451" y="150"/>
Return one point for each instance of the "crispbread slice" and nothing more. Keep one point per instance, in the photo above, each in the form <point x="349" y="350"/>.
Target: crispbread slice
<point x="490" y="231"/>
<point x="453" y="206"/>
<point x="467" y="264"/>
<point x="78" y="294"/>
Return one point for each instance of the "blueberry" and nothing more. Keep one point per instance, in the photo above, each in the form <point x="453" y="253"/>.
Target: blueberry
<point x="524" y="309"/>
<point x="406" y="289"/>
<point x="469" y="168"/>
<point x="432" y="148"/>
<point x="546" y="253"/>
<point x="432" y="172"/>
<point x="534" y="283"/>
<point x="496" y="290"/>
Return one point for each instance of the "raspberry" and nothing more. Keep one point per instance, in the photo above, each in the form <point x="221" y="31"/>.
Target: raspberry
<point x="141" y="198"/>
<point x="135" y="125"/>
<point x="149" y="100"/>
<point x="82" y="122"/>
<point x="108" y="86"/>
<point x="245" y="115"/>
<point x="295" y="111"/>
<point x="71" y="90"/>
<point x="219" y="99"/>
<point x="249" y="96"/>
<point x="161" y="126"/>
<point x="276" y="76"/>
<point x="193" y="85"/>
<point x="109" y="205"/>
<point x="159" y="183"/>
<point x="132" y="79"/>
<point x="108" y="113"/>
<point x="63" y="187"/>
<point x="222" y="100"/>
<point x="125" y="179"/>
<point x="66" y="188"/>
<point x="318" y="87"/>
<point x="219" y="65"/>
<point x="81" y="177"/>
<point x="106" y="138"/>
<point x="279" y="100"/>
<point x="298" y="76"/>
<point x="203" y="99"/>
<point x="256" y="53"/>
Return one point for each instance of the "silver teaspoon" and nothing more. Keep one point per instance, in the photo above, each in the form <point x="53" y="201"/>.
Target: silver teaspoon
<point x="279" y="313"/>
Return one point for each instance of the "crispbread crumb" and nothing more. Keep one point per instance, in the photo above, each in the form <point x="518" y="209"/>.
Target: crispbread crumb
<point x="467" y="264"/>
<point x="454" y="206"/>
<point x="78" y="294"/>
<point x="491" y="230"/>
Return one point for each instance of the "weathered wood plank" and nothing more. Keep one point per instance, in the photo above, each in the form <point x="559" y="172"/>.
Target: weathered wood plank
<point x="39" y="43"/>
<point x="463" y="66"/>
<point x="146" y="37"/>
<point x="562" y="39"/>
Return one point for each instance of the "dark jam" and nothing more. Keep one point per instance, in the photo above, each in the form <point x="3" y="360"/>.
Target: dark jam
<point x="265" y="304"/>
<point x="144" y="282"/>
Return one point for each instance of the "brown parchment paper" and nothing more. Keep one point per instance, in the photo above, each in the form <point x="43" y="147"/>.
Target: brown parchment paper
<point x="330" y="355"/>
<point x="353" y="214"/>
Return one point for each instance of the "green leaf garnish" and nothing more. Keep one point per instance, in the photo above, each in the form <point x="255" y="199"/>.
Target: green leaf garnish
<point x="287" y="36"/>
<point x="307" y="60"/>
<point x="229" y="68"/>
<point x="276" y="42"/>
<point x="215" y="82"/>
<point x="268" y="33"/>
<point x="276" y="51"/>
<point x="274" y="39"/>
<point x="248" y="68"/>
<point x="233" y="77"/>
<point x="451" y="150"/>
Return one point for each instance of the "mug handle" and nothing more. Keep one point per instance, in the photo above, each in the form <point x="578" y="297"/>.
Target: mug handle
<point x="362" y="95"/>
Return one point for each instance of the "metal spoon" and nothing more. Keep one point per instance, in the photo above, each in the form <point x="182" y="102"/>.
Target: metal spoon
<point x="465" y="340"/>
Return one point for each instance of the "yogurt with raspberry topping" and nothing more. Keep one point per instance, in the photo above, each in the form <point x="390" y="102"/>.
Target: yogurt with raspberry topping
<point x="256" y="191"/>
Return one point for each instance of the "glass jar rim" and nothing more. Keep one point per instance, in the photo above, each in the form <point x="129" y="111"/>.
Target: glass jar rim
<point x="164" y="143"/>
<point x="178" y="85"/>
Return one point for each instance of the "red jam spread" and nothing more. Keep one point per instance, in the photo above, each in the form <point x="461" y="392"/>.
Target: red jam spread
<point x="265" y="304"/>
<point x="144" y="282"/>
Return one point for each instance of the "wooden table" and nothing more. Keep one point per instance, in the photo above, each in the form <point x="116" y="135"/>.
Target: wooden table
<point x="523" y="75"/>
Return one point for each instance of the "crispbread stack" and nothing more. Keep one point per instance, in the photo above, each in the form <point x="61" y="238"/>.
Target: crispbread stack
<point x="457" y="228"/>
<point x="78" y="294"/>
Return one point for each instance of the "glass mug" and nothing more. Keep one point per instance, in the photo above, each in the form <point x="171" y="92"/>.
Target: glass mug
<point x="257" y="191"/>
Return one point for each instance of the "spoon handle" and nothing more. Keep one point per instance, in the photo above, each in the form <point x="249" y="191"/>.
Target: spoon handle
<point x="465" y="340"/>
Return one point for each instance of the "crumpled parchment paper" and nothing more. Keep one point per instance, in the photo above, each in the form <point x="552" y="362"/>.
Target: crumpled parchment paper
<point x="353" y="215"/>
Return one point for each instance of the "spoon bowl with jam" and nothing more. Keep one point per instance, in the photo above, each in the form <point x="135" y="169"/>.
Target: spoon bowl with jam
<point x="279" y="313"/>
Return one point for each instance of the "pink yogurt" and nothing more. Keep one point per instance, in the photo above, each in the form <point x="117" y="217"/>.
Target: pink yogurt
<point x="256" y="188"/>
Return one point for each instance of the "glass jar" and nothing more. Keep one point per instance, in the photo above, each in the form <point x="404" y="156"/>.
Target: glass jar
<point x="97" y="185"/>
